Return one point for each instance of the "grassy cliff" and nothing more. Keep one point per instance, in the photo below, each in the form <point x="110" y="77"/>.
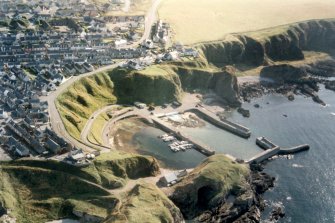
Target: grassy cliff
<point x="210" y="183"/>
<point x="146" y="203"/>
<point x="82" y="98"/>
<point x="37" y="191"/>
<point x="282" y="43"/>
<point x="152" y="85"/>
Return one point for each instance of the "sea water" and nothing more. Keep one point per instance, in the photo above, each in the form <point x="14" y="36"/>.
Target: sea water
<point x="305" y="184"/>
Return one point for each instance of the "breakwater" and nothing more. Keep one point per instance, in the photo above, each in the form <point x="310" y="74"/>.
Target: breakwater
<point x="264" y="155"/>
<point x="272" y="149"/>
<point x="296" y="149"/>
<point x="204" y="149"/>
<point x="264" y="143"/>
<point x="229" y="126"/>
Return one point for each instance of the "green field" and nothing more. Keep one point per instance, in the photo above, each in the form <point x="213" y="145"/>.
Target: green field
<point x="208" y="20"/>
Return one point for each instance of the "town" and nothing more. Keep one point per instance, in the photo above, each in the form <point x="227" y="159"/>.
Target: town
<point x="44" y="43"/>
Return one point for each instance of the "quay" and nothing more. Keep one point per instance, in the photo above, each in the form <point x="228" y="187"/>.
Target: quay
<point x="229" y="126"/>
<point x="198" y="145"/>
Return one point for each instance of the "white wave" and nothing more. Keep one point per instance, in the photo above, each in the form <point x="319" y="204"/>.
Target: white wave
<point x="297" y="165"/>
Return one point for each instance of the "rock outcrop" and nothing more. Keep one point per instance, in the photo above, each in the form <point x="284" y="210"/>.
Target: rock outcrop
<point x="225" y="86"/>
<point x="281" y="74"/>
<point x="218" y="190"/>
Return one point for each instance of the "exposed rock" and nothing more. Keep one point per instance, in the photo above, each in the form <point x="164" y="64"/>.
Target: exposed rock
<point x="244" y="112"/>
<point x="225" y="85"/>
<point x="209" y="184"/>
<point x="290" y="96"/>
<point x="209" y="195"/>
<point x="281" y="74"/>
<point x="3" y="210"/>
<point x="277" y="213"/>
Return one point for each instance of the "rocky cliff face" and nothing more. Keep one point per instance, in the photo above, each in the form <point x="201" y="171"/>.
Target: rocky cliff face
<point x="260" y="48"/>
<point x="221" y="190"/>
<point x="225" y="85"/>
<point x="282" y="73"/>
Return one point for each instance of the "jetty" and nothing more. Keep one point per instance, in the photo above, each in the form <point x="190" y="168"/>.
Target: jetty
<point x="264" y="143"/>
<point x="264" y="155"/>
<point x="272" y="149"/>
<point x="204" y="149"/>
<point x="229" y="126"/>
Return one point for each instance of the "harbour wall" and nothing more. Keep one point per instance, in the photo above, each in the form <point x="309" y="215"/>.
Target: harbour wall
<point x="232" y="127"/>
<point x="198" y="145"/>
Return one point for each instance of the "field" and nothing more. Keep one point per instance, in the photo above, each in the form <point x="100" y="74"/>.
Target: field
<point x="208" y="20"/>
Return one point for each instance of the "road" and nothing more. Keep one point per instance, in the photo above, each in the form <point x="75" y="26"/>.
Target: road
<point x="150" y="19"/>
<point x="87" y="128"/>
<point x="56" y="122"/>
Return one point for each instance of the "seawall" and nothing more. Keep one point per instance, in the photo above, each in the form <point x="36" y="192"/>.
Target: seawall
<point x="229" y="126"/>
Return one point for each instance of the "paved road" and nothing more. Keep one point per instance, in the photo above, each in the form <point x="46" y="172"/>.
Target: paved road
<point x="91" y="120"/>
<point x="55" y="120"/>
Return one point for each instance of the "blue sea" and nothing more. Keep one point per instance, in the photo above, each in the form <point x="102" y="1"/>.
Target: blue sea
<point x="305" y="184"/>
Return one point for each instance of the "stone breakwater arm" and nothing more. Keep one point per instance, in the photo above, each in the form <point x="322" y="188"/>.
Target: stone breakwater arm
<point x="204" y="149"/>
<point x="232" y="127"/>
<point x="295" y="149"/>
<point x="277" y="151"/>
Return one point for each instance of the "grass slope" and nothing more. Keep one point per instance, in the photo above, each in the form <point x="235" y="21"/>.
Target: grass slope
<point x="37" y="191"/>
<point x="216" y="178"/>
<point x="146" y="203"/>
<point x="82" y="98"/>
<point x="95" y="134"/>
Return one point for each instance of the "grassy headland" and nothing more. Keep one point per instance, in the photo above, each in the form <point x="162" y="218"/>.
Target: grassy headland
<point x="37" y="191"/>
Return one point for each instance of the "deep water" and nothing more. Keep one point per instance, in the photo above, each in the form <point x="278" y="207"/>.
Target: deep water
<point x="305" y="184"/>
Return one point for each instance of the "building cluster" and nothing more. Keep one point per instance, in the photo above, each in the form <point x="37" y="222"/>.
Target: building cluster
<point x="161" y="32"/>
<point x="42" y="43"/>
<point x="24" y="124"/>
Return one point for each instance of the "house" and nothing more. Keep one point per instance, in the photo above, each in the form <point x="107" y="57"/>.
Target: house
<point x="132" y="64"/>
<point x="148" y="44"/>
<point x="52" y="146"/>
<point x="171" y="56"/>
<point x="170" y="179"/>
<point x="3" y="114"/>
<point x="139" y="105"/>
<point x="173" y="178"/>
<point x="120" y="43"/>
<point x="21" y="150"/>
